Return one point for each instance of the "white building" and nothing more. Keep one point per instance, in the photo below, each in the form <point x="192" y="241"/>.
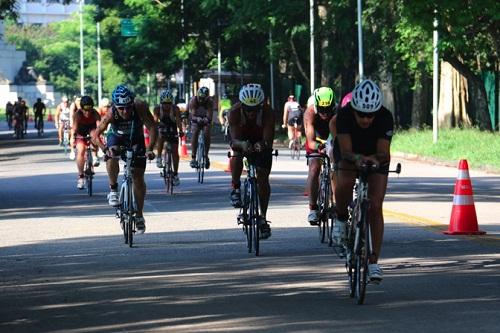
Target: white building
<point x="41" y="12"/>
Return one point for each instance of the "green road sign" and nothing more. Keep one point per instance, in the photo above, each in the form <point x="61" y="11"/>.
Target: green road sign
<point x="128" y="28"/>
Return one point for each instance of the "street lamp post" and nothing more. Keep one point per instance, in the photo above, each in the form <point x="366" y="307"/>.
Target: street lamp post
<point x="99" y="69"/>
<point x="311" y="45"/>
<point x="82" y="87"/>
<point x="435" y="81"/>
<point x="360" y="43"/>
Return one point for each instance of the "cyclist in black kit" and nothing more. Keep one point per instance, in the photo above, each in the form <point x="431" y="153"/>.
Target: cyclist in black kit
<point x="364" y="133"/>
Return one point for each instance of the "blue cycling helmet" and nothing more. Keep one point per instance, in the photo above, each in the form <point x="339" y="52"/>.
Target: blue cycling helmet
<point x="122" y="96"/>
<point x="203" y="92"/>
<point x="166" y="96"/>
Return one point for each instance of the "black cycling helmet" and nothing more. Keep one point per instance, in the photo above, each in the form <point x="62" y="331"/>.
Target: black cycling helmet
<point x="122" y="96"/>
<point x="86" y="103"/>
<point x="203" y="92"/>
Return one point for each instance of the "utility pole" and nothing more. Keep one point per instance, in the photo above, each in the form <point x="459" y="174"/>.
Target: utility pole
<point x="82" y="87"/>
<point x="435" y="81"/>
<point x="311" y="45"/>
<point x="271" y="69"/>
<point x="99" y="68"/>
<point x="360" y="42"/>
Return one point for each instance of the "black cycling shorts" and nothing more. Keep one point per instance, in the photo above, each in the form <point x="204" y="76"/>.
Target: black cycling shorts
<point x="291" y="121"/>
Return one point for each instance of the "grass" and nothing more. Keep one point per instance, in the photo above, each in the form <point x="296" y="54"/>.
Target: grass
<point x="480" y="149"/>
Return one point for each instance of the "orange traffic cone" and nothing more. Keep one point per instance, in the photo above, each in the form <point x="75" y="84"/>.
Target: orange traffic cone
<point x="183" y="151"/>
<point x="49" y="117"/>
<point x="463" y="214"/>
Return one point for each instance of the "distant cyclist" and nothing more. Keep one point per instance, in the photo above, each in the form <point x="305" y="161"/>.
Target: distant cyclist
<point x="168" y="118"/>
<point x="252" y="131"/>
<point x="61" y="117"/>
<point x="39" y="109"/>
<point x="127" y="117"/>
<point x="292" y="113"/>
<point x="85" y="123"/>
<point x="364" y="133"/>
<point x="201" y="113"/>
<point x="316" y="122"/>
<point x="184" y="112"/>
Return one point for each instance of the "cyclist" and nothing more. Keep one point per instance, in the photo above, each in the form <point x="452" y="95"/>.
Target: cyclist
<point x="364" y="133"/>
<point x="292" y="112"/>
<point x="168" y="118"/>
<point x="61" y="116"/>
<point x="201" y="113"/>
<point x="126" y="117"/>
<point x="39" y="110"/>
<point x="104" y="106"/>
<point x="18" y="115"/>
<point x="84" y="123"/>
<point x="251" y="123"/>
<point x="9" y="110"/>
<point x="317" y="118"/>
<point x="224" y="106"/>
<point x="184" y="114"/>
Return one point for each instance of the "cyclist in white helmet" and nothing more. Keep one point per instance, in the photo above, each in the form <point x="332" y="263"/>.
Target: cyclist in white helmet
<point x="251" y="123"/>
<point x="201" y="109"/>
<point x="364" y="132"/>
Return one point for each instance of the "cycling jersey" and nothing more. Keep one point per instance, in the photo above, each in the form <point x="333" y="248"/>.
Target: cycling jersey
<point x="65" y="113"/>
<point x="200" y="109"/>
<point x="86" y="124"/>
<point x="364" y="140"/>
<point x="167" y="127"/>
<point x="38" y="108"/>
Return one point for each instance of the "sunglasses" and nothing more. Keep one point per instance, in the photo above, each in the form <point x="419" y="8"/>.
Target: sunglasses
<point x="249" y="109"/>
<point x="365" y="115"/>
<point x="87" y="107"/>
<point x="124" y="108"/>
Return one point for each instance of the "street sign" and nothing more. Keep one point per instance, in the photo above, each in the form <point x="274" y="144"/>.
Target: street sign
<point x="128" y="28"/>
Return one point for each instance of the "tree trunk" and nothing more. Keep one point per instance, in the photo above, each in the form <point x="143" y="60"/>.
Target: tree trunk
<point x="476" y="103"/>
<point x="421" y="107"/>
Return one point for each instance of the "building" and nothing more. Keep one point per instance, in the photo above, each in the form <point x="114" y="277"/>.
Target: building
<point x="42" y="12"/>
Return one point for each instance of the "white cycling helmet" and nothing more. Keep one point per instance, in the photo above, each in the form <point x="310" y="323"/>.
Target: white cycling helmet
<point x="251" y="94"/>
<point x="366" y="97"/>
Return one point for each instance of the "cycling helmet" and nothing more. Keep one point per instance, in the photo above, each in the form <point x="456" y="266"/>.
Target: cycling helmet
<point x="122" y="96"/>
<point x="86" y="103"/>
<point x="324" y="97"/>
<point x="366" y="97"/>
<point x="251" y="94"/>
<point x="166" y="96"/>
<point x="203" y="92"/>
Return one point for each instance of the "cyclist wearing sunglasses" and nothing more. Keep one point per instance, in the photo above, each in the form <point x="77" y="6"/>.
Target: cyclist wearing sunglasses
<point x="251" y="123"/>
<point x="317" y="117"/>
<point x="84" y="123"/>
<point x="168" y="118"/>
<point x="201" y="112"/>
<point x="364" y="132"/>
<point x="127" y="118"/>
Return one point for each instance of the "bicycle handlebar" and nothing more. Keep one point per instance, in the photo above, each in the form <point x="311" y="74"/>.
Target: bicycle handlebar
<point x="229" y="154"/>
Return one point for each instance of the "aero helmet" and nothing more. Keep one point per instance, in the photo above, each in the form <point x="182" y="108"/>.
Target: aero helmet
<point x="251" y="94"/>
<point x="366" y="97"/>
<point x="203" y="92"/>
<point x="122" y="96"/>
<point x="166" y="96"/>
<point x="86" y="102"/>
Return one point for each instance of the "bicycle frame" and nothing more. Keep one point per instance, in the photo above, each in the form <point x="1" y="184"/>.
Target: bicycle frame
<point x="296" y="144"/>
<point x="200" y="155"/>
<point x="89" y="166"/>
<point x="167" y="169"/>
<point x="66" y="136"/>
<point x="127" y="208"/>
<point x="249" y="212"/>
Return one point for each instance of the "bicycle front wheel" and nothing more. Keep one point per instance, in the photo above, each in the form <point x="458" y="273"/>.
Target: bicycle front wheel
<point x="254" y="216"/>
<point x="362" y="257"/>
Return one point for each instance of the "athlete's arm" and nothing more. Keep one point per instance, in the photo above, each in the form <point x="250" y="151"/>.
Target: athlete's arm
<point x="285" y="114"/>
<point x="268" y="132"/>
<point x="177" y="113"/>
<point x="333" y="126"/>
<point x="309" y="127"/>
<point x="234" y="118"/>
<point x="101" y="128"/>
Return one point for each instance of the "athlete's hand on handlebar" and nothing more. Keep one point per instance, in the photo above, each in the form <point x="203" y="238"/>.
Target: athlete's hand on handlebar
<point x="150" y="155"/>
<point x="283" y="126"/>
<point x="367" y="161"/>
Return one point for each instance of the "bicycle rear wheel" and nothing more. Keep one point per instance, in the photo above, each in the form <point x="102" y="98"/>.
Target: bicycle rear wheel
<point x="123" y="212"/>
<point x="89" y="172"/>
<point x="323" y="203"/>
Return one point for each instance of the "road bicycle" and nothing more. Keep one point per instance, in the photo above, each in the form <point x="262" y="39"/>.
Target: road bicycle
<point x="39" y="126"/>
<point x="359" y="246"/>
<point x="88" y="169"/>
<point x="167" y="171"/>
<point x="296" y="144"/>
<point x="127" y="208"/>
<point x="18" y="128"/>
<point x="325" y="204"/>
<point x="65" y="141"/>
<point x="200" y="155"/>
<point x="249" y="215"/>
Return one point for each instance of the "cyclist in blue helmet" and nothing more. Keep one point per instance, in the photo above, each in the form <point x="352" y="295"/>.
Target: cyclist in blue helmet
<point x="127" y="118"/>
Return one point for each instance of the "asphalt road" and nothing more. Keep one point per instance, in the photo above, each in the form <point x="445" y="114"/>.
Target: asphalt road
<point x="64" y="266"/>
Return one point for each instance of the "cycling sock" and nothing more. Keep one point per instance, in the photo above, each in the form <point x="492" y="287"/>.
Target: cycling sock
<point x="313" y="206"/>
<point x="113" y="187"/>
